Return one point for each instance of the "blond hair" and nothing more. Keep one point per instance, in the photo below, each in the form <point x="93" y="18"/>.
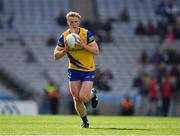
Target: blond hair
<point x="73" y="14"/>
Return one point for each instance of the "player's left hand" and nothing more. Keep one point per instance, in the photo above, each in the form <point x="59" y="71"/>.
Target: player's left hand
<point x="80" y="42"/>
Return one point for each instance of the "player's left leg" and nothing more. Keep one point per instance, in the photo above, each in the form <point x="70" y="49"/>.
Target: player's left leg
<point x="94" y="99"/>
<point x="85" y="93"/>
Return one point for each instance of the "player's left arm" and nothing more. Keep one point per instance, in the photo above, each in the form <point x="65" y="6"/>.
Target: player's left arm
<point x="92" y="45"/>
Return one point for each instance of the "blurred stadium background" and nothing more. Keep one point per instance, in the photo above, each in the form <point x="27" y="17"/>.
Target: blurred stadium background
<point x="140" y="55"/>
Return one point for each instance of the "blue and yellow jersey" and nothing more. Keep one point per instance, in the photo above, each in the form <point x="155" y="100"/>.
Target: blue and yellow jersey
<point x="79" y="58"/>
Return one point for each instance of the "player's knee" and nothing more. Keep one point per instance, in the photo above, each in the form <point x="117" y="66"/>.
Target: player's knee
<point x="82" y="98"/>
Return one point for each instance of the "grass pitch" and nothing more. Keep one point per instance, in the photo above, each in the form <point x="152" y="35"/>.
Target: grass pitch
<point x="99" y="125"/>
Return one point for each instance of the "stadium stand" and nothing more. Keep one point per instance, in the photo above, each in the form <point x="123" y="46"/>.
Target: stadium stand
<point x="6" y="93"/>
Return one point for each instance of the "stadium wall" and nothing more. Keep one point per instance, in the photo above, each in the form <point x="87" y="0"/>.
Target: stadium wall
<point x="18" y="107"/>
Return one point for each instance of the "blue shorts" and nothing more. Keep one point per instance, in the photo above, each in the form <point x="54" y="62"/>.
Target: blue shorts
<point x="76" y="75"/>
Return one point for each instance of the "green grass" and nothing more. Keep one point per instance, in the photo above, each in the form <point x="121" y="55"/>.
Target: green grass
<point x="99" y="125"/>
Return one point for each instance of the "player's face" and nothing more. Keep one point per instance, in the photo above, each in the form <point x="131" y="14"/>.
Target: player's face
<point x="73" y="22"/>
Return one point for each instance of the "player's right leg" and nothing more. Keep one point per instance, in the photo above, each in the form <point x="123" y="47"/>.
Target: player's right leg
<point x="78" y="103"/>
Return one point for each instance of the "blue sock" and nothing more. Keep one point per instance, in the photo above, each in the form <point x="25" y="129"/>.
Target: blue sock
<point x="84" y="119"/>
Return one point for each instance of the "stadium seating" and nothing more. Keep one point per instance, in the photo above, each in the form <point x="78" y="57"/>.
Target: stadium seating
<point x="6" y="93"/>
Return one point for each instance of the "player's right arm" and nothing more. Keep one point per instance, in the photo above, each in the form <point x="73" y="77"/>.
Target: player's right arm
<point x="59" y="52"/>
<point x="60" y="49"/>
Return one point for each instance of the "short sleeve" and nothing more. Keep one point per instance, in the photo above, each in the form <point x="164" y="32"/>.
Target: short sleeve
<point x="90" y="37"/>
<point x="61" y="41"/>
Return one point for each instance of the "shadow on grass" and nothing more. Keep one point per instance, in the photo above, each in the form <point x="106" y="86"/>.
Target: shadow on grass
<point x="121" y="128"/>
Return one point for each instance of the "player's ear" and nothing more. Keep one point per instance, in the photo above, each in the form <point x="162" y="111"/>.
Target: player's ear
<point x="68" y="23"/>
